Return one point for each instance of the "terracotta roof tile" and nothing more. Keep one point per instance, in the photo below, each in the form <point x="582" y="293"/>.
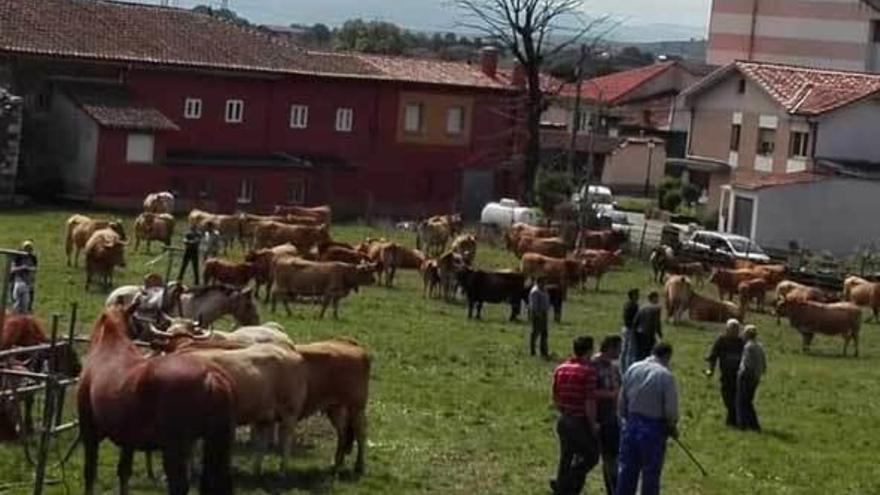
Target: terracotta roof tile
<point x="615" y="87"/>
<point x="808" y="91"/>
<point x="113" y="108"/>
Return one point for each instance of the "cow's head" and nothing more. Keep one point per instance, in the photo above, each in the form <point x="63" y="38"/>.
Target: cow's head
<point x="114" y="252"/>
<point x="116" y="226"/>
<point x="364" y="274"/>
<point x="244" y="307"/>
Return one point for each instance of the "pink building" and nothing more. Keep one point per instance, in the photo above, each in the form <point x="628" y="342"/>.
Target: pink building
<point x="831" y="34"/>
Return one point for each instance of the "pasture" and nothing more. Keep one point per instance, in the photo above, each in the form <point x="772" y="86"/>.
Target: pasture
<point x="459" y="407"/>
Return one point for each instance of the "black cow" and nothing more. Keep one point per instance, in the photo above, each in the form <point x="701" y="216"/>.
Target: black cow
<point x="492" y="287"/>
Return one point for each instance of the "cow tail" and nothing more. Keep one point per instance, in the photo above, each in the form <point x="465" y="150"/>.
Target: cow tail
<point x="357" y="415"/>
<point x="219" y="436"/>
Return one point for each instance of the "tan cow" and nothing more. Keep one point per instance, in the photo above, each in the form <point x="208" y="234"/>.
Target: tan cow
<point x="327" y="282"/>
<point x="810" y="318"/>
<point x="704" y="309"/>
<point x="466" y="246"/>
<point x="321" y="214"/>
<point x="790" y="292"/>
<point x="229" y="226"/>
<point x="342" y="255"/>
<point x="263" y="260"/>
<point x="433" y="236"/>
<point x="431" y="280"/>
<point x="411" y="259"/>
<point x="228" y="272"/>
<point x="520" y="230"/>
<point x="270" y="234"/>
<point x="153" y="227"/>
<point x="728" y="280"/>
<point x="863" y="293"/>
<point x="80" y="229"/>
<point x="554" y="247"/>
<point x="159" y="203"/>
<point x="678" y="293"/>
<point x="104" y="251"/>
<point x="562" y="272"/>
<point x="753" y="290"/>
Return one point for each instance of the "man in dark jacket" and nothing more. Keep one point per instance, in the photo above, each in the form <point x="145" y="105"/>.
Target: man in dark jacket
<point x="607" y="391"/>
<point x="630" y="309"/>
<point x="191" y="242"/>
<point x="727" y="352"/>
<point x="648" y="326"/>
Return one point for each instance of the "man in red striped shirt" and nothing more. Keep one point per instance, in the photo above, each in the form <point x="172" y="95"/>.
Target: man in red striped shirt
<point x="574" y="389"/>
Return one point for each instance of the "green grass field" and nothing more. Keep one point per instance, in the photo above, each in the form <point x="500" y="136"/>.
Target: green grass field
<point x="458" y="406"/>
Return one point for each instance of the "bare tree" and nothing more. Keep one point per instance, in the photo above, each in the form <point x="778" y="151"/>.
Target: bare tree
<point x="533" y="31"/>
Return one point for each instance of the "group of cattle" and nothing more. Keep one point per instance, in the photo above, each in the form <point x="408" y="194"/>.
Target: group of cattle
<point x="809" y="310"/>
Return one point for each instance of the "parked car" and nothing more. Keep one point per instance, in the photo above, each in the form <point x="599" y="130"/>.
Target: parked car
<point x="599" y="196"/>
<point x="734" y="247"/>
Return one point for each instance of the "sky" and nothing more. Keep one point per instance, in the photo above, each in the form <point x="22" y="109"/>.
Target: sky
<point x="643" y="19"/>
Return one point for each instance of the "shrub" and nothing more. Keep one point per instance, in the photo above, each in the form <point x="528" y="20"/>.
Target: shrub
<point x="552" y="189"/>
<point x="671" y="200"/>
<point x="690" y="193"/>
<point x="669" y="184"/>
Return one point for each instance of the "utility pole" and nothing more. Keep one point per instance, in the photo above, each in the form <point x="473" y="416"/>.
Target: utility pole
<point x="651" y="146"/>
<point x="576" y="112"/>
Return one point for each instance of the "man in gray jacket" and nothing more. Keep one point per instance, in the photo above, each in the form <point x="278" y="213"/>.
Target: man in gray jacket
<point x="751" y="368"/>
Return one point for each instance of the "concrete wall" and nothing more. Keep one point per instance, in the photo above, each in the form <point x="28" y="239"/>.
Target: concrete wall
<point x="627" y="167"/>
<point x="74" y="138"/>
<point x="851" y="133"/>
<point x="827" y="215"/>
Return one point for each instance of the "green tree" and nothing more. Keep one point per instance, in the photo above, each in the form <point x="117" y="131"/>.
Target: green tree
<point x="370" y="37"/>
<point x="224" y="14"/>
<point x="320" y="34"/>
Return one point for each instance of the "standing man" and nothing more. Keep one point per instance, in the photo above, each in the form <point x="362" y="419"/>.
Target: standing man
<point x="212" y="241"/>
<point x="649" y="409"/>
<point x="727" y="352"/>
<point x="630" y="309"/>
<point x="23" y="271"/>
<point x="607" y="390"/>
<point x="191" y="242"/>
<point x="751" y="369"/>
<point x="574" y="389"/>
<point x="539" y="307"/>
<point x="648" y="326"/>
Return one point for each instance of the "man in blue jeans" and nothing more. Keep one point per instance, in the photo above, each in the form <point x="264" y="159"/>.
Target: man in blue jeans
<point x="649" y="409"/>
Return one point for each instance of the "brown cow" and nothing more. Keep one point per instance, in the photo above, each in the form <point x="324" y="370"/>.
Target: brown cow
<point x="247" y="226"/>
<point x="160" y="202"/>
<point x="228" y="272"/>
<point x="165" y="403"/>
<point x="678" y="293"/>
<point x="104" y="251"/>
<point x="553" y="247"/>
<point x="338" y="386"/>
<point x="448" y="267"/>
<point x="270" y="234"/>
<point x="466" y="246"/>
<point x="454" y="221"/>
<point x="341" y="254"/>
<point x="389" y="261"/>
<point x="80" y="229"/>
<point x="430" y="279"/>
<point x="321" y="214"/>
<point x="610" y="240"/>
<point x="704" y="309"/>
<point x="788" y="291"/>
<point x="810" y="318"/>
<point x="695" y="270"/>
<point x="773" y="274"/>
<point x="328" y="282"/>
<point x="728" y="280"/>
<point x="433" y="235"/>
<point x="410" y="259"/>
<point x="263" y="260"/>
<point x="562" y="272"/>
<point x="229" y="226"/>
<point x="753" y="290"/>
<point x="519" y="230"/>
<point x="863" y="293"/>
<point x="153" y="227"/>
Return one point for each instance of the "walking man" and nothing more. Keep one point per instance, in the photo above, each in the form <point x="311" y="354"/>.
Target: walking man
<point x="607" y="390"/>
<point x="648" y="326"/>
<point x="649" y="409"/>
<point x="628" y="350"/>
<point x="539" y="308"/>
<point x="727" y="352"/>
<point x="23" y="271"/>
<point x="574" y="389"/>
<point x="191" y="242"/>
<point x="751" y="368"/>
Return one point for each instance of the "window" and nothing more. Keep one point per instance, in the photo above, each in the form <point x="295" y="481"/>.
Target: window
<point x="800" y="142"/>
<point x="296" y="192"/>
<point x="584" y="121"/>
<point x="455" y="120"/>
<point x="735" y="134"/>
<point x="234" y="111"/>
<point x="192" y="109"/>
<point x="741" y="86"/>
<point x="344" y="119"/>
<point x="299" y="116"/>
<point x="766" y="141"/>
<point x="246" y="191"/>
<point x="140" y="148"/>
<point x="413" y="118"/>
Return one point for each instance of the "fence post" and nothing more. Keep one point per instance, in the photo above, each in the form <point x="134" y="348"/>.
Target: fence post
<point x="48" y="412"/>
<point x="642" y="242"/>
<point x="5" y="289"/>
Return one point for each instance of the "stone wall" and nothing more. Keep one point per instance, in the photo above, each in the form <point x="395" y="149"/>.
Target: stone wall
<point x="10" y="142"/>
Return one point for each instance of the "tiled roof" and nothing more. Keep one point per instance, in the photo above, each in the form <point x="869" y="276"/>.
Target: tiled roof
<point x="125" y="32"/>
<point x="758" y="180"/>
<point x="112" y="108"/>
<point x="615" y="87"/>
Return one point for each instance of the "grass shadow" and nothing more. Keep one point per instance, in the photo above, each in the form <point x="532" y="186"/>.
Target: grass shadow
<point x="312" y="480"/>
<point x="782" y="436"/>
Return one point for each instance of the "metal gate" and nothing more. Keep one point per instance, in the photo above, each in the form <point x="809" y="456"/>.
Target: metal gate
<point x="478" y="187"/>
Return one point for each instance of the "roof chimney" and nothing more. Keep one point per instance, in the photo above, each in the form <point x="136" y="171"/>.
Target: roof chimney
<point x="489" y="61"/>
<point x="518" y="78"/>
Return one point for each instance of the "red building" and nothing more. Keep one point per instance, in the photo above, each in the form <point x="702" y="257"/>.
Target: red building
<point x="125" y="99"/>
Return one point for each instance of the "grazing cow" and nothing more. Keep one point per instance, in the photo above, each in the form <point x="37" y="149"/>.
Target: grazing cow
<point x="519" y="230"/>
<point x="229" y="226"/>
<point x="153" y="227"/>
<point x="228" y="272"/>
<point x="338" y="386"/>
<point x="433" y="236"/>
<point x="270" y="234"/>
<point x="678" y="293"/>
<point x="328" y="282"/>
<point x="341" y="254"/>
<point x="165" y="403"/>
<point x="863" y="293"/>
<point x="263" y="260"/>
<point x="80" y="229"/>
<point x="431" y="279"/>
<point x="159" y="203"/>
<point x="104" y="251"/>
<point x="466" y="246"/>
<point x="704" y="309"/>
<point x="787" y="292"/>
<point x="562" y="272"/>
<point x="810" y="318"/>
<point x="492" y="287"/>
<point x="554" y="247"/>
<point x="410" y="259"/>
<point x="448" y="267"/>
<point x="753" y="290"/>
<point x="728" y="280"/>
<point x="321" y="214"/>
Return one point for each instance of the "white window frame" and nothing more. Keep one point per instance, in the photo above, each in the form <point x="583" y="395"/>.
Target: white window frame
<point x="455" y="124"/>
<point x="192" y="108"/>
<point x="418" y="128"/>
<point x="300" y="185"/>
<point x="140" y="148"/>
<point x="344" y="119"/>
<point x="245" y="191"/>
<point x="234" y="111"/>
<point x="299" y="116"/>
